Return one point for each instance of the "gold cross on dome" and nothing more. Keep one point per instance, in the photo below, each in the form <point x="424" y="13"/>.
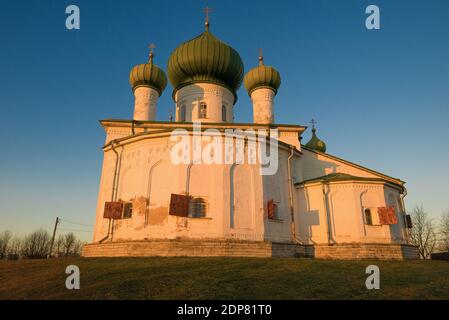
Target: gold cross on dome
<point x="207" y="11"/>
<point x="151" y="47"/>
<point x="313" y="122"/>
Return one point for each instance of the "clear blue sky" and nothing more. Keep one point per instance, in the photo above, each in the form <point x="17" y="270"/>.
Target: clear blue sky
<point x="381" y="98"/>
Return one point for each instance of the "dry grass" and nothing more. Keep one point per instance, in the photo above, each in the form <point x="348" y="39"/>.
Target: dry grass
<point x="222" y="278"/>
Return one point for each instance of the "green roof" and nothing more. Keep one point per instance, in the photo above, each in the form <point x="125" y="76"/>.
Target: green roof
<point x="205" y="59"/>
<point x="337" y="177"/>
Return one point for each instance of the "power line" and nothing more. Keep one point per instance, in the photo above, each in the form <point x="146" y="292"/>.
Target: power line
<point x="75" y="230"/>
<point x="77" y="223"/>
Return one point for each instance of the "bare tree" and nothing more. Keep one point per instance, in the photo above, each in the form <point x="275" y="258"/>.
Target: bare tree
<point x="36" y="245"/>
<point x="69" y="242"/>
<point x="59" y="246"/>
<point x="423" y="232"/>
<point x="5" y="238"/>
<point x="444" y="231"/>
<point x="77" y="248"/>
<point x="15" y="247"/>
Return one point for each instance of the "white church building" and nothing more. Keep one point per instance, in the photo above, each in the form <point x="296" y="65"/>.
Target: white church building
<point x="185" y="187"/>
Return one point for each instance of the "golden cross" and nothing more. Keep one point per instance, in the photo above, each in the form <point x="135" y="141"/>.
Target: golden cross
<point x="260" y="57"/>
<point x="313" y="122"/>
<point x="207" y="11"/>
<point x="151" y="46"/>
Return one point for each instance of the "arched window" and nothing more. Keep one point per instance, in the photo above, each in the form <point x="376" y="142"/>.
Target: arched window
<point x="223" y="113"/>
<point x="368" y="217"/>
<point x="203" y="111"/>
<point x="182" y="113"/>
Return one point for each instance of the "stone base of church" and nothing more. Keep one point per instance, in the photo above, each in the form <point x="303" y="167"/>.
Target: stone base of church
<point x="355" y="251"/>
<point x="234" y="248"/>
<point x="192" y="248"/>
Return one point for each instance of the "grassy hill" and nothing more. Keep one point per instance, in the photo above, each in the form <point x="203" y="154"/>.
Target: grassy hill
<point x="222" y="278"/>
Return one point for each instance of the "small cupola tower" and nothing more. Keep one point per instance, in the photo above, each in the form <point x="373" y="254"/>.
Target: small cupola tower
<point x="147" y="81"/>
<point x="315" y="143"/>
<point x="262" y="84"/>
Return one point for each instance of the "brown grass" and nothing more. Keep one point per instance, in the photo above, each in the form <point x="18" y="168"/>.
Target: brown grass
<point x="222" y="278"/>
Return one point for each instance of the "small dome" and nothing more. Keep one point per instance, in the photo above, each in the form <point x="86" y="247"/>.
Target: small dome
<point x="205" y="59"/>
<point x="315" y="143"/>
<point x="148" y="75"/>
<point x="262" y="76"/>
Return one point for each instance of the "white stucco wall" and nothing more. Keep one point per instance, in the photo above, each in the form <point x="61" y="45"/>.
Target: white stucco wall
<point x="318" y="165"/>
<point x="234" y="194"/>
<point x="334" y="212"/>
<point x="263" y="105"/>
<point x="145" y="104"/>
<point x="213" y="95"/>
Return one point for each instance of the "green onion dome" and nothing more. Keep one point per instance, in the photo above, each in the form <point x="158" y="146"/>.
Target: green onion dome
<point x="262" y="76"/>
<point x="315" y="143"/>
<point x="205" y="59"/>
<point x="148" y="75"/>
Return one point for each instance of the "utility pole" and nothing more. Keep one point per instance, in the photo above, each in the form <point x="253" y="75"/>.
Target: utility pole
<point x="53" y="237"/>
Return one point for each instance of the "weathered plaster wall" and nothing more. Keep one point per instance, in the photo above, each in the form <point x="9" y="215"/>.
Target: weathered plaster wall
<point x="236" y="195"/>
<point x="317" y="165"/>
<point x="334" y="213"/>
<point x="213" y="95"/>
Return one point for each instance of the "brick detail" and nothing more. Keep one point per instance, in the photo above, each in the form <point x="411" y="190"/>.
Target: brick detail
<point x="235" y="248"/>
<point x="363" y="251"/>
<point x="197" y="248"/>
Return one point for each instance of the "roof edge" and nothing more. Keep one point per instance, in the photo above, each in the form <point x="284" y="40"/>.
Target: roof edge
<point x="355" y="165"/>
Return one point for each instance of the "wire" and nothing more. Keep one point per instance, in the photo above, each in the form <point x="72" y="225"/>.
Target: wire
<point x="75" y="230"/>
<point x="77" y="223"/>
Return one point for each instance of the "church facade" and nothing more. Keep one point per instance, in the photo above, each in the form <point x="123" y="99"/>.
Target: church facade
<point x="254" y="189"/>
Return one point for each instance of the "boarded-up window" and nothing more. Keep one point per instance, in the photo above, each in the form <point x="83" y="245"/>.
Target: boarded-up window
<point x="387" y="215"/>
<point x="179" y="205"/>
<point x="408" y="221"/>
<point x="113" y="210"/>
<point x="272" y="209"/>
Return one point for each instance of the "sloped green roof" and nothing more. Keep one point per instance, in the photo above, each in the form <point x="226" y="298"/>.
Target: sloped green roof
<point x="205" y="59"/>
<point x="337" y="177"/>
